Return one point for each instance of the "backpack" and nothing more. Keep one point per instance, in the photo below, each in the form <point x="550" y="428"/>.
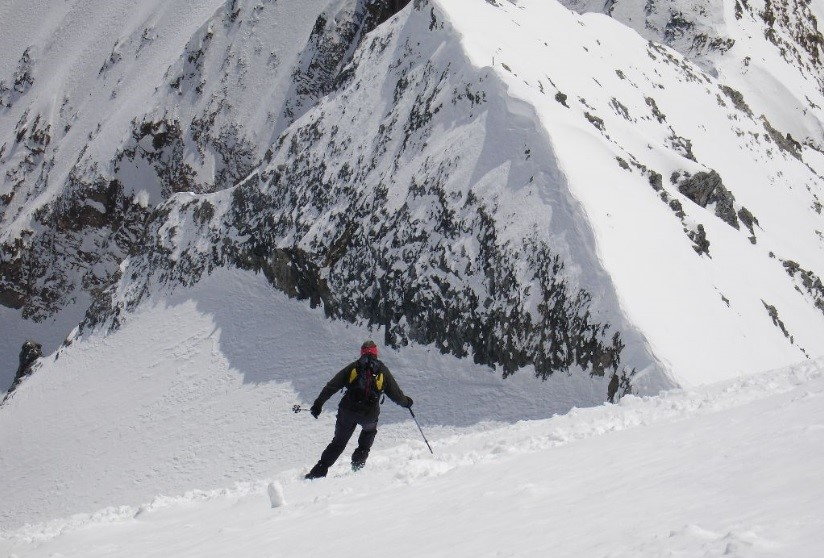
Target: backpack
<point x="365" y="381"/>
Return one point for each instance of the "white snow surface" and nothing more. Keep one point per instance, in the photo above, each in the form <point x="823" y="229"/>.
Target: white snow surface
<point x="196" y="389"/>
<point x="541" y="49"/>
<point x="731" y="469"/>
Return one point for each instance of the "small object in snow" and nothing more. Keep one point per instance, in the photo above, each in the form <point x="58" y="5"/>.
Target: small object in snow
<point x="275" y="490"/>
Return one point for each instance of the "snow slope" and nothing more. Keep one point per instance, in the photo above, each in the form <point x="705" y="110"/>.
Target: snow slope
<point x="641" y="98"/>
<point x="770" y="51"/>
<point x="196" y="390"/>
<point x="732" y="469"/>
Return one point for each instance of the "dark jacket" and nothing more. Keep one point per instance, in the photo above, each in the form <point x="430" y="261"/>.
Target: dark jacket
<point x="349" y="400"/>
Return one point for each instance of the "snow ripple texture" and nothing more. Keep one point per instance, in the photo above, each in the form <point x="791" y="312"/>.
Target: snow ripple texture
<point x="788" y="398"/>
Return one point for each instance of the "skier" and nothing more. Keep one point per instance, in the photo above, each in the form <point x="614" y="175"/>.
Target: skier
<point x="612" y="388"/>
<point x="365" y="381"/>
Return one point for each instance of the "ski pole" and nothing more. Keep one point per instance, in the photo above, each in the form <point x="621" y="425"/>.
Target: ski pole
<point x="419" y="428"/>
<point x="298" y="408"/>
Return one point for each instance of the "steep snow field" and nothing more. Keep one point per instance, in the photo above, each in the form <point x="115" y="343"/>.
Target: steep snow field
<point x="196" y="390"/>
<point x="642" y="97"/>
<point x="747" y="45"/>
<point x="733" y="469"/>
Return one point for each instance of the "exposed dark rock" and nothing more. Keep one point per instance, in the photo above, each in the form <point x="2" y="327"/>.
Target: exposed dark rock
<point x="702" y="42"/>
<point x="561" y="98"/>
<point x="497" y="330"/>
<point x="696" y="233"/>
<point x="29" y="353"/>
<point x="739" y="9"/>
<point x="236" y="156"/>
<point x="325" y="63"/>
<point x="401" y="268"/>
<point x="204" y="212"/>
<point x="748" y="219"/>
<point x="595" y="121"/>
<point x="677" y="208"/>
<point x="809" y="281"/>
<point x="681" y="145"/>
<point x="33" y="135"/>
<point x="620" y="109"/>
<point x="677" y="27"/>
<point x="159" y="144"/>
<point x="699" y="240"/>
<point x="688" y="71"/>
<point x="190" y="77"/>
<point x="784" y="143"/>
<point x="773" y="312"/>
<point x="22" y="80"/>
<point x="737" y="99"/>
<point x="793" y="28"/>
<point x="84" y="235"/>
<point x="612" y="388"/>
<point x="620" y="385"/>
<point x="705" y="188"/>
<point x="113" y="59"/>
<point x="14" y="287"/>
<point x="625" y="382"/>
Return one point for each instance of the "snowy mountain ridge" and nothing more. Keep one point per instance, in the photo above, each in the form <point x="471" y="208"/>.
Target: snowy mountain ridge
<point x="604" y="171"/>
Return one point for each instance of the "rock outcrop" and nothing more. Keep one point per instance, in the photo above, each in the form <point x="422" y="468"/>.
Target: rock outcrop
<point x="29" y="353"/>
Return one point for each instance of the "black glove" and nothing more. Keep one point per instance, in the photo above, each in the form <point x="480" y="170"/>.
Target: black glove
<point x="408" y="403"/>
<point x="315" y="409"/>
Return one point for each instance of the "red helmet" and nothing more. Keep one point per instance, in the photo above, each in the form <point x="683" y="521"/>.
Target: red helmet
<point x="369" y="348"/>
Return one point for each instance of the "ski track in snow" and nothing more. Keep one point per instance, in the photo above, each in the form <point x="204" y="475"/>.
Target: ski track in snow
<point x="754" y="442"/>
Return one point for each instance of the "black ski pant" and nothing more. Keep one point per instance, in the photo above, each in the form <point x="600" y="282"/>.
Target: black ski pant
<point x="345" y="426"/>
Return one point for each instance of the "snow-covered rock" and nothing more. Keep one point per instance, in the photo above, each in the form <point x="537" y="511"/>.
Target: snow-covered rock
<point x="395" y="165"/>
<point x="770" y="50"/>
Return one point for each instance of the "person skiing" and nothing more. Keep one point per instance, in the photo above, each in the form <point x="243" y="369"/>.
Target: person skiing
<point x="365" y="381"/>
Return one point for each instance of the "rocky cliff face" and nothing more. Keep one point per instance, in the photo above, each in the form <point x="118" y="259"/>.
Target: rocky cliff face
<point x="203" y="133"/>
<point x="30" y="352"/>
<point x="366" y="205"/>
<point x="82" y="180"/>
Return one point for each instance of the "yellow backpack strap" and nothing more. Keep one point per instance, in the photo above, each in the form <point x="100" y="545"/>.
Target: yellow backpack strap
<point x="353" y="375"/>
<point x="379" y="382"/>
